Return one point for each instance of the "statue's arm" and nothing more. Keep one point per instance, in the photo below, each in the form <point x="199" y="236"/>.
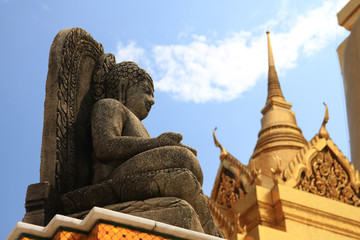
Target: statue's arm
<point x="107" y="122"/>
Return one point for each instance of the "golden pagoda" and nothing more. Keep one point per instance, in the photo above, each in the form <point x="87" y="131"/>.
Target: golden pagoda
<point x="280" y="138"/>
<point x="292" y="188"/>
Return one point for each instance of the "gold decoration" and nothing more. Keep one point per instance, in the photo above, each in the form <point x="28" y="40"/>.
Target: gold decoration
<point x="322" y="169"/>
<point x="329" y="179"/>
<point x="228" y="193"/>
<point x="224" y="155"/>
<point x="255" y="173"/>
<point x="238" y="227"/>
<point x="223" y="152"/>
<point x="223" y="222"/>
<point x="278" y="170"/>
<point x="233" y="181"/>
<point x="323" y="133"/>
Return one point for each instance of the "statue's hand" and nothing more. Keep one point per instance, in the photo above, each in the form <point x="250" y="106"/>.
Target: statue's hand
<point x="169" y="139"/>
<point x="173" y="139"/>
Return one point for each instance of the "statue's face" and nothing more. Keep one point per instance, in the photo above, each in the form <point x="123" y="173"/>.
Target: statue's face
<point x="140" y="98"/>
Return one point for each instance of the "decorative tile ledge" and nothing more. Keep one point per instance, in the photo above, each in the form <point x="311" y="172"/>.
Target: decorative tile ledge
<point x="93" y="225"/>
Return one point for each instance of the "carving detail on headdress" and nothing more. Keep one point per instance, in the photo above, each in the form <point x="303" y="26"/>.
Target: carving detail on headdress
<point x="106" y="63"/>
<point x="122" y="76"/>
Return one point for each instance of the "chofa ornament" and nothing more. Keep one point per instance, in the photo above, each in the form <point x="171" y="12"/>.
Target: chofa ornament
<point x="322" y="169"/>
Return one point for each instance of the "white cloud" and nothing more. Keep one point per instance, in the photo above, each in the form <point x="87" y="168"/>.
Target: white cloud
<point x="129" y="52"/>
<point x="201" y="71"/>
<point x="204" y="71"/>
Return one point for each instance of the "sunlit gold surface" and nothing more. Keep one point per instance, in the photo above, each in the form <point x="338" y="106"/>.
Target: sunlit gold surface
<point x="279" y="137"/>
<point x="287" y="213"/>
<point x="291" y="188"/>
<point x="349" y="14"/>
<point x="349" y="55"/>
<point x="323" y="133"/>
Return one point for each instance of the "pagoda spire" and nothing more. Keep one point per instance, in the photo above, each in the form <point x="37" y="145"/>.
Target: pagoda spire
<point x="280" y="138"/>
<point x="274" y="89"/>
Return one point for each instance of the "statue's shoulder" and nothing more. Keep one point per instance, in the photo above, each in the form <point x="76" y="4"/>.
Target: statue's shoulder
<point x="109" y="106"/>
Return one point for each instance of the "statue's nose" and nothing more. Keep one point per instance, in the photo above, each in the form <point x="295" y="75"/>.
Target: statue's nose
<point x="152" y="101"/>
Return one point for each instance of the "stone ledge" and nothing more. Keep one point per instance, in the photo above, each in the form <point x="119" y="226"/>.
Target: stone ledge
<point x="96" y="214"/>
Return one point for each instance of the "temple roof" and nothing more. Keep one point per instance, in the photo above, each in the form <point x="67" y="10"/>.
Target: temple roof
<point x="281" y="158"/>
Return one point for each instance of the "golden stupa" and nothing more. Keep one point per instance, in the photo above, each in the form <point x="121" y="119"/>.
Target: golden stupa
<point x="292" y="188"/>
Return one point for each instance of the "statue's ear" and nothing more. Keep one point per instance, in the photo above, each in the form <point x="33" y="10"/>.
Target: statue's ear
<point x="123" y="90"/>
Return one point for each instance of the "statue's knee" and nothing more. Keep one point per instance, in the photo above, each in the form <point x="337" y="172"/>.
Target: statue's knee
<point x="161" y="158"/>
<point x="175" y="182"/>
<point x="179" y="183"/>
<point x="188" y="160"/>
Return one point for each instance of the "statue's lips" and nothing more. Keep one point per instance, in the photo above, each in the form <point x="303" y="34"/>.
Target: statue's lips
<point x="148" y="106"/>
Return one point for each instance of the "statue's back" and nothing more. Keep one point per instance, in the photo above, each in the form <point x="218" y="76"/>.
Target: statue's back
<point x="66" y="145"/>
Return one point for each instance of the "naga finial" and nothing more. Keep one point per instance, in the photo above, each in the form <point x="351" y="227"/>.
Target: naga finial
<point x="223" y="152"/>
<point x="323" y="133"/>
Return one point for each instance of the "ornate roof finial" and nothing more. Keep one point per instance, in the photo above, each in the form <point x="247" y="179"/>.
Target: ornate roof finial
<point x="223" y="152"/>
<point x="323" y="133"/>
<point x="274" y="89"/>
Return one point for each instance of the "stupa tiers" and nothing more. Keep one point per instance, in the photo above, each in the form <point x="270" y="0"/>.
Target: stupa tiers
<point x="291" y="188"/>
<point x="280" y="138"/>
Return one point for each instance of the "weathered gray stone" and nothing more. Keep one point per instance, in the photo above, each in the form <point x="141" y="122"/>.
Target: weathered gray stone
<point x="97" y="152"/>
<point x="173" y="182"/>
<point x="41" y="203"/>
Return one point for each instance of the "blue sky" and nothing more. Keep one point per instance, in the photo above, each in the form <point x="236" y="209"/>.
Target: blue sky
<point x="208" y="60"/>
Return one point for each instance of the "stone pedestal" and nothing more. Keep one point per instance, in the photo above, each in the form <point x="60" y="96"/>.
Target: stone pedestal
<point x="101" y="224"/>
<point x="173" y="211"/>
<point x="41" y="203"/>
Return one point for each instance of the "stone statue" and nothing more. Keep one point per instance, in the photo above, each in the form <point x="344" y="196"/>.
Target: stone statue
<point x="97" y="152"/>
<point x="118" y="133"/>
